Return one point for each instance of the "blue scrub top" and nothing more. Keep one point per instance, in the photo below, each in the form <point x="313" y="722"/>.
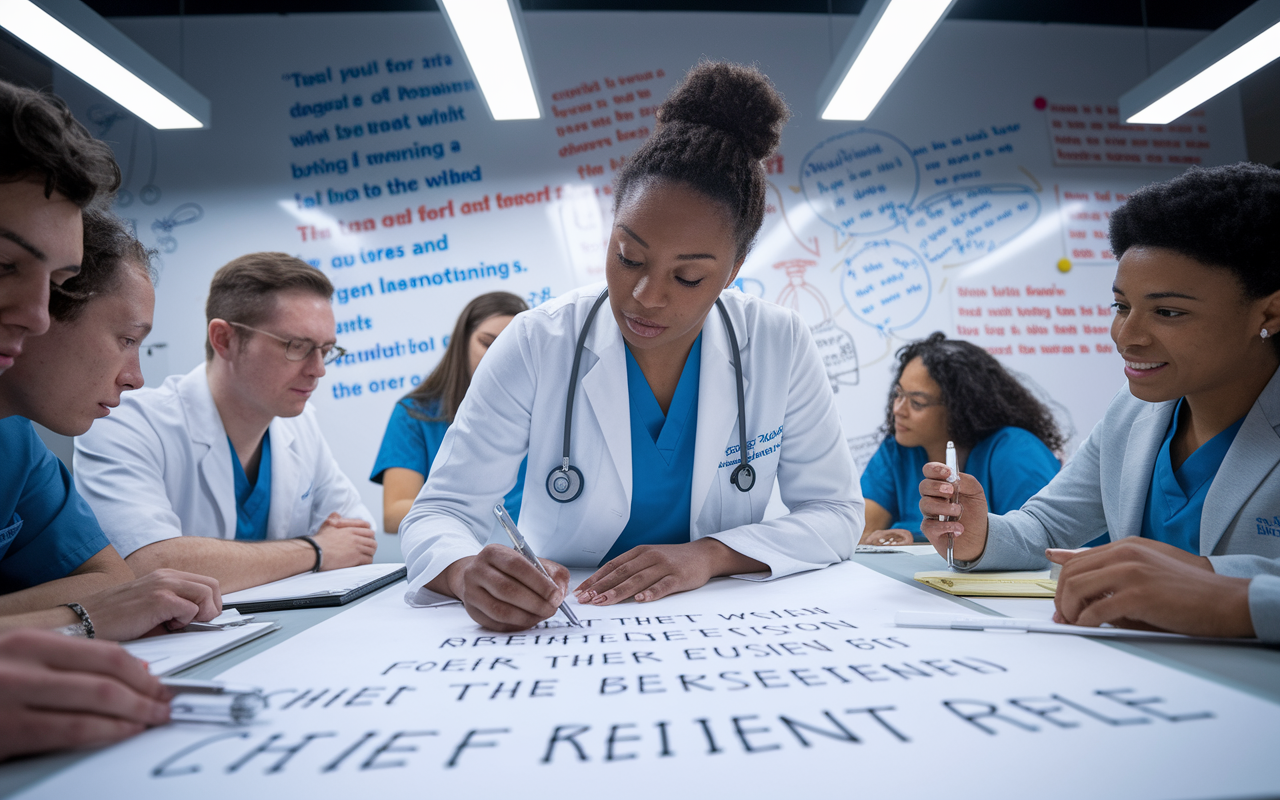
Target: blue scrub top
<point x="253" y="502"/>
<point x="661" y="458"/>
<point x="412" y="443"/>
<point x="46" y="528"/>
<point x="1011" y="464"/>
<point x="1175" y="499"/>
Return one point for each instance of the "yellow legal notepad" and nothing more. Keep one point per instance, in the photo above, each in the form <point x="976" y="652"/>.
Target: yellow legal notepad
<point x="991" y="584"/>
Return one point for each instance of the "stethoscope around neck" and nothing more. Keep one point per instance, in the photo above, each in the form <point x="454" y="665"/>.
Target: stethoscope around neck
<point x="564" y="483"/>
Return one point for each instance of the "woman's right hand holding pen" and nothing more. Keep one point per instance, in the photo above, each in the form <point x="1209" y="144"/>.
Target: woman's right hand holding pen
<point x="964" y="504"/>
<point x="502" y="591"/>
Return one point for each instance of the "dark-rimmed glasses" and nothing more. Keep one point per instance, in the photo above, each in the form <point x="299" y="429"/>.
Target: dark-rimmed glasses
<point x="300" y="349"/>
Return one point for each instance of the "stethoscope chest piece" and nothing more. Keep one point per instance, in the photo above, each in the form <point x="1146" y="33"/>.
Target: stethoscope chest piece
<point x="564" y="484"/>
<point x="744" y="477"/>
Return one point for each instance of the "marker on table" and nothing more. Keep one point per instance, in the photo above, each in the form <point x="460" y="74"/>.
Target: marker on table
<point x="953" y="479"/>
<point x="522" y="547"/>
<point x="213" y="701"/>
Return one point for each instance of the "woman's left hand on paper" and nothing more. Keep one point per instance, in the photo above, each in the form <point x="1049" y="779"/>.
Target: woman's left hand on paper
<point x="653" y="571"/>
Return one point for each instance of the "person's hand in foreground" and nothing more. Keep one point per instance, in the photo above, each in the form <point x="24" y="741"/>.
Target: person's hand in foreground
<point x="504" y="592"/>
<point x="61" y="692"/>
<point x="965" y="505"/>
<point x="1140" y="583"/>
<point x="160" y="601"/>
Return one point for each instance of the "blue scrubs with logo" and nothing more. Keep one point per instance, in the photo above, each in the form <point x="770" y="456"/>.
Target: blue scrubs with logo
<point x="46" y="528"/>
<point x="253" y="501"/>
<point x="412" y="443"/>
<point x="661" y="458"/>
<point x="1011" y="464"/>
<point x="1175" y="499"/>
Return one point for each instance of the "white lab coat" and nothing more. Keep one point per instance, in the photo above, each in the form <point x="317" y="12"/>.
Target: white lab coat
<point x="159" y="467"/>
<point x="516" y="405"/>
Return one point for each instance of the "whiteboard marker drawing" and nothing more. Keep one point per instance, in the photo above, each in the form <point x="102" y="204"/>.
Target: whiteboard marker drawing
<point x="835" y="345"/>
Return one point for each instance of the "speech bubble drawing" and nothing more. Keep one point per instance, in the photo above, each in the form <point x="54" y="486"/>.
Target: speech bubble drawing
<point x="886" y="285"/>
<point x="959" y="225"/>
<point x="861" y="183"/>
<point x="866" y="182"/>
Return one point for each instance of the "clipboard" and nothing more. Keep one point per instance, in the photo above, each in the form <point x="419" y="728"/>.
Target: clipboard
<point x="315" y="589"/>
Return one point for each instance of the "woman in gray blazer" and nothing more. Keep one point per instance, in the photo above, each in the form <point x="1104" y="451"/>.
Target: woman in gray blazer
<point x="1182" y="469"/>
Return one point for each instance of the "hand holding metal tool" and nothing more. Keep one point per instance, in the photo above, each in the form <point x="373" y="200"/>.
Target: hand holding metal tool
<point x="522" y="547"/>
<point x="954" y="480"/>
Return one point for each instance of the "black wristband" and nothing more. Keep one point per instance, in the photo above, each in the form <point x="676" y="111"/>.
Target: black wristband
<point x="319" y="553"/>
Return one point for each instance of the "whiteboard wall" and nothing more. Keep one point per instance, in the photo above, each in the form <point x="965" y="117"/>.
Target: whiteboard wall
<point x="359" y="143"/>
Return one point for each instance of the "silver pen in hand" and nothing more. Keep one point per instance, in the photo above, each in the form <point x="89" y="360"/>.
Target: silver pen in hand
<point x="522" y="547"/>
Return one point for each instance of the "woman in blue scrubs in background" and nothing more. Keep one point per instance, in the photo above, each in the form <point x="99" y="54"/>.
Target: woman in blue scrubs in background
<point x="951" y="391"/>
<point x="419" y="421"/>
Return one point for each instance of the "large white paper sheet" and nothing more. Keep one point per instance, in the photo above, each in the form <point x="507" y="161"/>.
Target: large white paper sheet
<point x="797" y="687"/>
<point x="1040" y="608"/>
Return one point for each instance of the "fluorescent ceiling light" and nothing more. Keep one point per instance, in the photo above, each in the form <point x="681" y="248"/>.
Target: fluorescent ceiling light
<point x="887" y="35"/>
<point x="1245" y="44"/>
<point x="490" y="35"/>
<point x="75" y="38"/>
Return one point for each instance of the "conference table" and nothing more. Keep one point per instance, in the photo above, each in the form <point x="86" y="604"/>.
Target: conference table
<point x="1250" y="669"/>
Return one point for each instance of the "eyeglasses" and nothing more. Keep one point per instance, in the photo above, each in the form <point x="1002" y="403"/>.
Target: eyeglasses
<point x="917" y="401"/>
<point x="300" y="349"/>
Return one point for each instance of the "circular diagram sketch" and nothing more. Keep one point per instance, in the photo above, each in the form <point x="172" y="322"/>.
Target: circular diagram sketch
<point x="860" y="182"/>
<point x="886" y="285"/>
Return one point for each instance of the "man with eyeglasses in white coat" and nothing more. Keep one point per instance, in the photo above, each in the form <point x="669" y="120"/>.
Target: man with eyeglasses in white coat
<point x="224" y="471"/>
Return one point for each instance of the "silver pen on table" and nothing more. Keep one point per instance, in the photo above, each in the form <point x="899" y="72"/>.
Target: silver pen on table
<point x="213" y="701"/>
<point x="522" y="547"/>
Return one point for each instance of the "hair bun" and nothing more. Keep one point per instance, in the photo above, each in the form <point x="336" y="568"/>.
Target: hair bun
<point x="736" y="99"/>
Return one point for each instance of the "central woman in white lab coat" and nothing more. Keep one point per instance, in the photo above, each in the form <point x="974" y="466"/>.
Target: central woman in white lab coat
<point x="655" y="427"/>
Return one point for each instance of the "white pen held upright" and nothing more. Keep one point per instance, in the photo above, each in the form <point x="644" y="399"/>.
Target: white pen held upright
<point x="953" y="470"/>
<point x="953" y="478"/>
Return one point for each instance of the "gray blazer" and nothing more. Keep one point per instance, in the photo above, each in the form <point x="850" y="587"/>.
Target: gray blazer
<point x="1104" y="488"/>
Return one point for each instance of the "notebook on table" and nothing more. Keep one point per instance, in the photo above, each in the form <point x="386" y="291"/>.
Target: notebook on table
<point x="990" y="584"/>
<point x="315" y="589"/>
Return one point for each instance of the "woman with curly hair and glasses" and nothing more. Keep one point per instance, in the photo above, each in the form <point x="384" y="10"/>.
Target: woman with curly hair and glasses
<point x="952" y="391"/>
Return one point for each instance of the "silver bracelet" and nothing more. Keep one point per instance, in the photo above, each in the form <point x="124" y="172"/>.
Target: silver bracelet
<point x="85" y="628"/>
